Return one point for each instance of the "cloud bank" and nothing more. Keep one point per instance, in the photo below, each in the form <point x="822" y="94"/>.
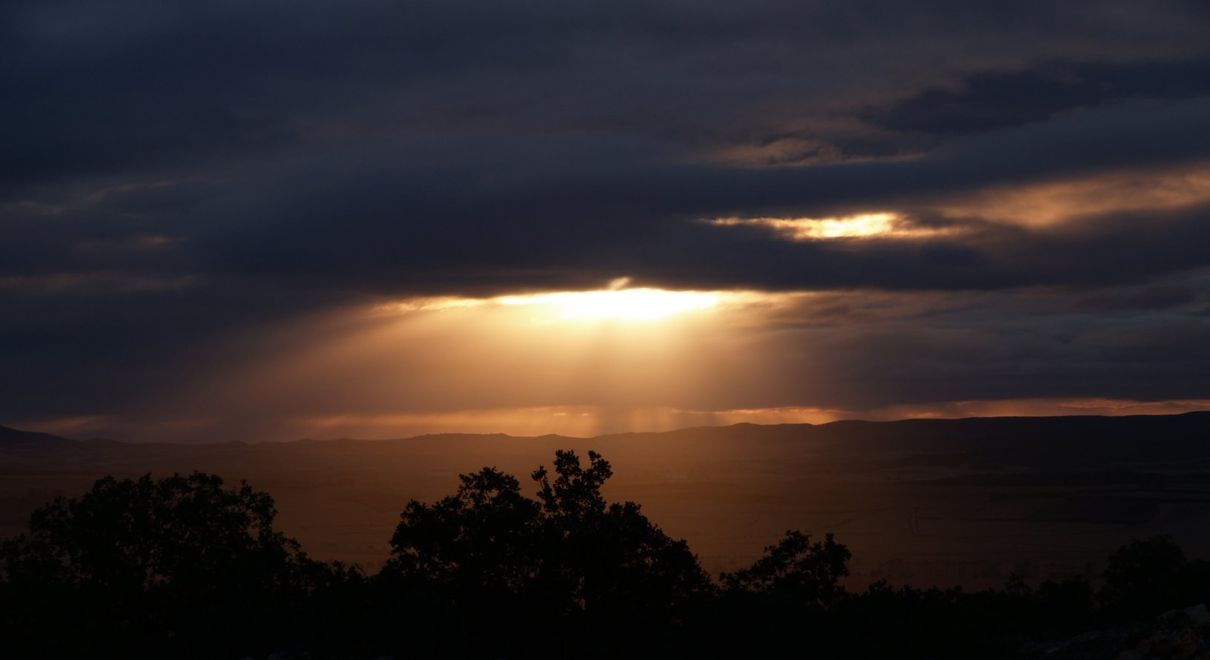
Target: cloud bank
<point x="189" y="189"/>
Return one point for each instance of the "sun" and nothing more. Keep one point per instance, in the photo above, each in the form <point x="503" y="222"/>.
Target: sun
<point x="637" y="304"/>
<point x="618" y="301"/>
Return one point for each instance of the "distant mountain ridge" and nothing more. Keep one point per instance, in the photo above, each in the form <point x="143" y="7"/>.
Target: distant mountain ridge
<point x="1113" y="427"/>
<point x="11" y="436"/>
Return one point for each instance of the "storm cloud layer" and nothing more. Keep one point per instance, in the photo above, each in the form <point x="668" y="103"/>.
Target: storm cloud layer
<point x="179" y="180"/>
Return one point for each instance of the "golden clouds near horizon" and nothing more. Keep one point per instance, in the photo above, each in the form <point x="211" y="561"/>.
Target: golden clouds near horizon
<point x="579" y="420"/>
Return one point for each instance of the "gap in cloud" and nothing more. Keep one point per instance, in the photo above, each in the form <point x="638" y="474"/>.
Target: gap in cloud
<point x="1050" y="203"/>
<point x="882" y="225"/>
<point x="1076" y="203"/>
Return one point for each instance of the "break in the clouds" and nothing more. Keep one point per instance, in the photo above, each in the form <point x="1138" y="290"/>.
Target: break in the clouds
<point x="909" y="205"/>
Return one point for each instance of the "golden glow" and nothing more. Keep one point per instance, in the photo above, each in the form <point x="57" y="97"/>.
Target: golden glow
<point x="623" y="304"/>
<point x="619" y="302"/>
<point x="864" y="225"/>
<point x="425" y="304"/>
<point x="1053" y="202"/>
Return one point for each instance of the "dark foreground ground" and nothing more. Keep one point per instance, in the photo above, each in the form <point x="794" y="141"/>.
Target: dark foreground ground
<point x="922" y="502"/>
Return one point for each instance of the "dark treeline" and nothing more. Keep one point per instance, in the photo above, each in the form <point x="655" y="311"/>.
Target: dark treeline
<point x="185" y="567"/>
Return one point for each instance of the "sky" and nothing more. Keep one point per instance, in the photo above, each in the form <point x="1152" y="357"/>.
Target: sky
<point x="270" y="220"/>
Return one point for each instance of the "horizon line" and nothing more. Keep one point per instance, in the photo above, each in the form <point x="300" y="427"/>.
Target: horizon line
<point x="447" y="434"/>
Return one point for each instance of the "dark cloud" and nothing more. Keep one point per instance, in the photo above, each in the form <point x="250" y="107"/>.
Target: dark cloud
<point x="177" y="174"/>
<point x="589" y="214"/>
<point x="123" y="86"/>
<point x="988" y="100"/>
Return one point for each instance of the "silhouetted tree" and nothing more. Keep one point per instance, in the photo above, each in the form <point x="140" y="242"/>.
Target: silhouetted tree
<point x="1146" y="577"/>
<point x="465" y="563"/>
<point x="778" y="604"/>
<point x="614" y="570"/>
<point x="179" y="565"/>
<point x="481" y="538"/>
<point x="540" y="576"/>
<point x="797" y="568"/>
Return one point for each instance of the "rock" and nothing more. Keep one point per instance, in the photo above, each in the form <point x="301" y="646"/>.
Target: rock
<point x="1174" y="635"/>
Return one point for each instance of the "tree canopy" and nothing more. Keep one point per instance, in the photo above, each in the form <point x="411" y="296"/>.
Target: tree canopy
<point x="505" y="561"/>
<point x="168" y="564"/>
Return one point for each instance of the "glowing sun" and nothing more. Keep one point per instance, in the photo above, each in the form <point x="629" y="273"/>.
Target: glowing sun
<point x="640" y="304"/>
